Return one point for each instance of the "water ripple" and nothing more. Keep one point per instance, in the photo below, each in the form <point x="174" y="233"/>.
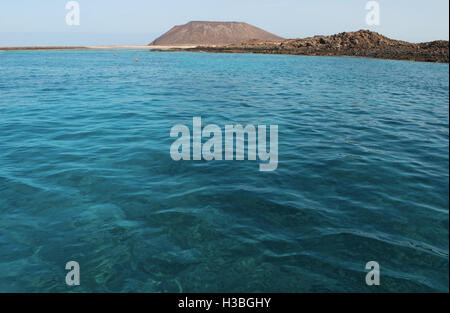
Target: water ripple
<point x="86" y="175"/>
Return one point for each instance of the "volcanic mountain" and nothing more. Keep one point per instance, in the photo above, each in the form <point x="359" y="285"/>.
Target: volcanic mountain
<point x="213" y="33"/>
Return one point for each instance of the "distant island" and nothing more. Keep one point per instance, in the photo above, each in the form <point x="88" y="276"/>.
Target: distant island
<point x="238" y="37"/>
<point x="212" y="33"/>
<point x="233" y="37"/>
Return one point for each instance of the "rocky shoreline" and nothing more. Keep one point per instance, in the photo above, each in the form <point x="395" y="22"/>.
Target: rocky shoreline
<point x="362" y="43"/>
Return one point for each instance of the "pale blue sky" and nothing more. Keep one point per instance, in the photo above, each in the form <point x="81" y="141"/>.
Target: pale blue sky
<point x="31" y="22"/>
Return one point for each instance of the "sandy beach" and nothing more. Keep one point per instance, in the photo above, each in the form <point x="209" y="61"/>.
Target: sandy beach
<point x="94" y="47"/>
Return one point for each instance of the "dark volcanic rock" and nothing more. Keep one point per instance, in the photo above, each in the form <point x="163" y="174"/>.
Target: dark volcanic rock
<point x="213" y="33"/>
<point x="362" y="43"/>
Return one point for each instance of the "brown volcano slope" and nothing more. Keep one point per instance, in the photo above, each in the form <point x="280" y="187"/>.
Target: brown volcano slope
<point x="363" y="43"/>
<point x="213" y="33"/>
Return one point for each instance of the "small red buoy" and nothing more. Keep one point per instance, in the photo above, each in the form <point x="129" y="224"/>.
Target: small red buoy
<point x="137" y="60"/>
<point x="115" y="54"/>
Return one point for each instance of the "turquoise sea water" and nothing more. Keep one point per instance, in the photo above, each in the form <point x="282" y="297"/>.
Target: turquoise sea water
<point x="86" y="173"/>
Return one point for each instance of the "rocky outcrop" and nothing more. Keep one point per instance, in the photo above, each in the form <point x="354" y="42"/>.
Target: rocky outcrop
<point x="362" y="43"/>
<point x="212" y="33"/>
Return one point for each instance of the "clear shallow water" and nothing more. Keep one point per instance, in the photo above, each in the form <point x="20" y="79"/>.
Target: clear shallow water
<point x="86" y="173"/>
